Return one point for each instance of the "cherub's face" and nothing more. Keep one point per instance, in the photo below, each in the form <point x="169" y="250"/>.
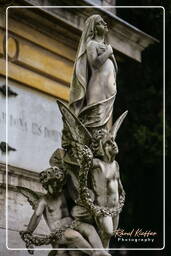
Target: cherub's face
<point x="110" y="148"/>
<point x="53" y="187"/>
<point x="100" y="26"/>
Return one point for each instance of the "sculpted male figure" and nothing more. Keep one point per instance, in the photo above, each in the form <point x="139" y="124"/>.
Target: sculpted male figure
<point x="98" y="173"/>
<point x="106" y="184"/>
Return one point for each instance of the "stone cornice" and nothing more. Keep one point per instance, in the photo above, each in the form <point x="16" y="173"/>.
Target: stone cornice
<point x="67" y="23"/>
<point x="19" y="177"/>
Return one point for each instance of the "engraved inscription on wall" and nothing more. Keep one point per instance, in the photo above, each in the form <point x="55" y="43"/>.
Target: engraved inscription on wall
<point x="34" y="127"/>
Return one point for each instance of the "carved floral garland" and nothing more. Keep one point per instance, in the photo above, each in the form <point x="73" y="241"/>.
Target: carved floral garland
<point x="85" y="158"/>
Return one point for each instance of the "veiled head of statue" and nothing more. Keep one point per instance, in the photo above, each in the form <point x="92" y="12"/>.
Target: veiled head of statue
<point x="94" y="24"/>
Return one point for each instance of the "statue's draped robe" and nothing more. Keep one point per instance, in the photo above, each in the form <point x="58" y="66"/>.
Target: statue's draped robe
<point x="98" y="113"/>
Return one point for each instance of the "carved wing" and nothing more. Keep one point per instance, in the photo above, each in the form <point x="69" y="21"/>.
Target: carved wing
<point x="75" y="135"/>
<point x="117" y="124"/>
<point x="79" y="150"/>
<point x="32" y="197"/>
<point x="57" y="158"/>
<point x="78" y="131"/>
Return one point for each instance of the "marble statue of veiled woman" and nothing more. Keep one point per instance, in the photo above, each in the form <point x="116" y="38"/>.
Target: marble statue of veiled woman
<point x="93" y="87"/>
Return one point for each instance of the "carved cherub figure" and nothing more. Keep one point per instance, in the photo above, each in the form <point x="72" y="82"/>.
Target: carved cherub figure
<point x="106" y="182"/>
<point x="95" y="153"/>
<point x="53" y="207"/>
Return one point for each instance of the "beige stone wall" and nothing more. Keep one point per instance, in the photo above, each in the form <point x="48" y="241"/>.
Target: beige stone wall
<point x="35" y="61"/>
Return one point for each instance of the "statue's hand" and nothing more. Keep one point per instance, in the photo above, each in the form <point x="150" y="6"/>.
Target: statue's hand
<point x="102" y="49"/>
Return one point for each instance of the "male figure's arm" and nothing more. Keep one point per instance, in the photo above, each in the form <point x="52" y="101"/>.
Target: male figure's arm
<point x="121" y="189"/>
<point x="120" y="186"/>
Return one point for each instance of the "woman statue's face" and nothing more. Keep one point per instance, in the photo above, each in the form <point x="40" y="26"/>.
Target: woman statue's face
<point x="100" y="26"/>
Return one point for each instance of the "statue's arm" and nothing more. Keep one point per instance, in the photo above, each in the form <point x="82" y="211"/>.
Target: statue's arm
<point x="112" y="57"/>
<point x="120" y="186"/>
<point x="94" y="59"/>
<point x="121" y="189"/>
<point x="36" y="217"/>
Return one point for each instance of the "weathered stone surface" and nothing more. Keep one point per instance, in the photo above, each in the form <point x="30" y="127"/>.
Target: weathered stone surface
<point x="18" y="215"/>
<point x="14" y="237"/>
<point x="34" y="127"/>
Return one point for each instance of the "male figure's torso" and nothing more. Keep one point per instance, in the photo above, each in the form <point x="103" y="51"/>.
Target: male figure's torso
<point x="105" y="183"/>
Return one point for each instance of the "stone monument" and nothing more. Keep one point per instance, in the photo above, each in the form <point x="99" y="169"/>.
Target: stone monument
<point x="84" y="191"/>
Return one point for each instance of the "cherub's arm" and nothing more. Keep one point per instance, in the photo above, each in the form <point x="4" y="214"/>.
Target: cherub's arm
<point x="97" y="60"/>
<point x="36" y="217"/>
